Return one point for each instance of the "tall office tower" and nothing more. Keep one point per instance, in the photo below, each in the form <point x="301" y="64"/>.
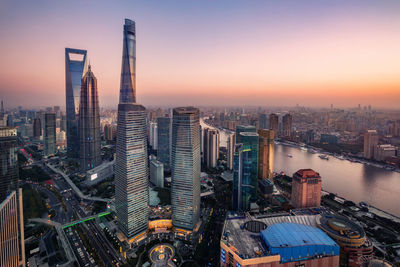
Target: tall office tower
<point x="63" y="123"/>
<point x="131" y="168"/>
<point x="371" y="139"/>
<point x="230" y="143"/>
<point x="211" y="147"/>
<point x="75" y="68"/>
<point x="49" y="134"/>
<point x="185" y="165"/>
<point x="274" y="123"/>
<point x="128" y="70"/>
<point x="262" y="121"/>
<point x="265" y="154"/>
<point x="37" y="128"/>
<point x="3" y="116"/>
<point x="242" y="129"/>
<point x="8" y="161"/>
<point x="164" y="141"/>
<point x="12" y="250"/>
<point x="242" y="185"/>
<point x="12" y="244"/>
<point x="89" y="123"/>
<point x="109" y="132"/>
<point x="306" y="189"/>
<point x="153" y="135"/>
<point x="287" y="125"/>
<point x="250" y="140"/>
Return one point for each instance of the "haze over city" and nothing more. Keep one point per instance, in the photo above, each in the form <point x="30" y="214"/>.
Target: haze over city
<point x="200" y="133"/>
<point x="267" y="53"/>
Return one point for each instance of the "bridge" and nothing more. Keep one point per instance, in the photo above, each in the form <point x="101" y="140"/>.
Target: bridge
<point x="85" y="219"/>
<point x="75" y="188"/>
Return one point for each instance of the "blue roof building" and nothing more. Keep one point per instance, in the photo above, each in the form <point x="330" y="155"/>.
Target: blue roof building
<point x="295" y="242"/>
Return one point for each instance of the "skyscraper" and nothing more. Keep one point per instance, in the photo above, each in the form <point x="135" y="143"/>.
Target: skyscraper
<point x="287" y="125"/>
<point x="12" y="243"/>
<point x="49" y="134"/>
<point x="12" y="249"/>
<point x="8" y="161"/>
<point x="242" y="180"/>
<point x="164" y="141"/>
<point x="127" y="92"/>
<point x="230" y="143"/>
<point x="153" y="136"/>
<point x="89" y="123"/>
<point x="262" y="121"/>
<point x="211" y="147"/>
<point x="37" y="128"/>
<point x="274" y="123"/>
<point x="131" y="170"/>
<point x="250" y="140"/>
<point x="3" y="116"/>
<point x="75" y="68"/>
<point x="266" y="154"/>
<point x="306" y="189"/>
<point x="371" y="139"/>
<point x="185" y="163"/>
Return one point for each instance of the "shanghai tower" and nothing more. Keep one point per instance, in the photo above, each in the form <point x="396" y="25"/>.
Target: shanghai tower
<point x="89" y="123"/>
<point x="127" y="93"/>
<point x="131" y="170"/>
<point x="75" y="68"/>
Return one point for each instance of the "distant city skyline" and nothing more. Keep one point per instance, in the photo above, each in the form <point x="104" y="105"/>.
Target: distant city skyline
<point x="269" y="53"/>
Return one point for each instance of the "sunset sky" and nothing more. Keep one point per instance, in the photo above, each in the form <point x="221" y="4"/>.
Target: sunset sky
<point x="269" y="53"/>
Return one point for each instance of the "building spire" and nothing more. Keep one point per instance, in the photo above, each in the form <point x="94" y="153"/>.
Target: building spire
<point x="127" y="93"/>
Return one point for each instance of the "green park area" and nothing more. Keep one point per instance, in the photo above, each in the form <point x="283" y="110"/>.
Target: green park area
<point x="33" y="203"/>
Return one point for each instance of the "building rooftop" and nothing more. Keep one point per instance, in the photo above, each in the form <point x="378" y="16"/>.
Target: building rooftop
<point x="293" y="241"/>
<point x="249" y="244"/>
<point x="251" y="127"/>
<point x="340" y="227"/>
<point x="185" y="110"/>
<point x="294" y="234"/>
<point x="307" y="173"/>
<point x="249" y="133"/>
<point x="156" y="163"/>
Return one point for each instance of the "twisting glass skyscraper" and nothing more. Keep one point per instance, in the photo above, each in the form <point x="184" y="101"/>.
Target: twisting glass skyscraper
<point x="89" y="123"/>
<point x="128" y="71"/>
<point x="185" y="165"/>
<point x="75" y="68"/>
<point x="131" y="172"/>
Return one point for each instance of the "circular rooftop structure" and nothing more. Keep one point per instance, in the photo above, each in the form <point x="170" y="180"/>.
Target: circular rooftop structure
<point x="255" y="226"/>
<point x="342" y="230"/>
<point x="161" y="255"/>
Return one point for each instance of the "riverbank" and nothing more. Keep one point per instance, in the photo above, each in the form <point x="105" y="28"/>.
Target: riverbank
<point x="313" y="149"/>
<point x="371" y="209"/>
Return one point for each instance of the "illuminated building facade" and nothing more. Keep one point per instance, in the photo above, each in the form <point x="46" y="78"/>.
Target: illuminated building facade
<point x="185" y="165"/>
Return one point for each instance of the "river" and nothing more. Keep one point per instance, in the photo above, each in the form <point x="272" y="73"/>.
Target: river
<point x="351" y="180"/>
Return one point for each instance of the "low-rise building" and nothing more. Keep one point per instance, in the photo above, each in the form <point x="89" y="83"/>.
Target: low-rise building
<point x="276" y="241"/>
<point x="157" y="173"/>
<point x="100" y="173"/>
